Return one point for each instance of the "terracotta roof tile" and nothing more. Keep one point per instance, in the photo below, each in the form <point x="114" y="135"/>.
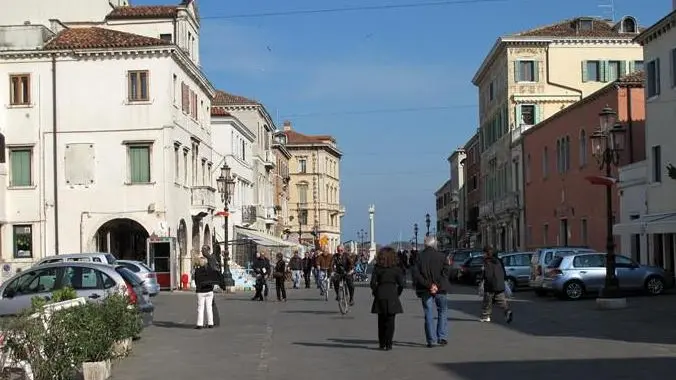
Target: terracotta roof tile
<point x="143" y="11"/>
<point x="635" y="77"/>
<point x="569" y="28"/>
<point x="219" y="111"/>
<point x="99" y="38"/>
<point x="223" y="98"/>
<point x="294" y="137"/>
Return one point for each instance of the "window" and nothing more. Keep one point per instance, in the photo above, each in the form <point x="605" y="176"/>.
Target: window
<point x="243" y="150"/>
<point x="302" y="165"/>
<point x="545" y="234"/>
<point x="584" y="232"/>
<point x="138" y="86"/>
<point x="585" y="25"/>
<point x="19" y="89"/>
<point x="628" y="25"/>
<point x="526" y="71"/>
<point x="83" y="278"/>
<point x="545" y="162"/>
<point x="34" y="282"/>
<point x="657" y="163"/>
<point x="166" y="37"/>
<point x="23" y="241"/>
<point x="614" y="71"/>
<point x="491" y="92"/>
<point x="636" y="66"/>
<point x="302" y="217"/>
<point x="566" y="154"/>
<point x="177" y="162"/>
<point x="302" y="193"/>
<point x="673" y="68"/>
<point x="591" y="71"/>
<point x="21" y="163"/>
<point x="563" y="232"/>
<point x="559" y="157"/>
<point x="185" y="98"/>
<point x="527" y="114"/>
<point x="185" y="166"/>
<point x="139" y="163"/>
<point x="583" y="148"/>
<point x="175" y="89"/>
<point x="653" y="78"/>
<point x="624" y="262"/>
<point x="589" y="261"/>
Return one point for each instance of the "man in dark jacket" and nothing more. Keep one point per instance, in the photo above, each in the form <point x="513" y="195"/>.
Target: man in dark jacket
<point x="261" y="268"/>
<point x="430" y="277"/>
<point x="296" y="267"/>
<point x="493" y="278"/>
<point x="307" y="269"/>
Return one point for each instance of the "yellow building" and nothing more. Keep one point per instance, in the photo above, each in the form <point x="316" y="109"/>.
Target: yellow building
<point x="526" y="78"/>
<point x="314" y="189"/>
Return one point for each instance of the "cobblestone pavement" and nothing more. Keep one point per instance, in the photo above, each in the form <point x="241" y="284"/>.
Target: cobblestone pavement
<point x="306" y="338"/>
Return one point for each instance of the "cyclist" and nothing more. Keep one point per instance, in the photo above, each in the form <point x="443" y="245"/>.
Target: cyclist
<point x="343" y="268"/>
<point x="323" y="269"/>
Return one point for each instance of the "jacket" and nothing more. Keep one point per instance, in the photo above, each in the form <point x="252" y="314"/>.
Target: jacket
<point x="431" y="268"/>
<point x="280" y="270"/>
<point x="205" y="279"/>
<point x="324" y="261"/>
<point x="387" y="283"/>
<point x="342" y="263"/>
<point x="296" y="263"/>
<point x="494" y="275"/>
<point x="307" y="264"/>
<point x="261" y="266"/>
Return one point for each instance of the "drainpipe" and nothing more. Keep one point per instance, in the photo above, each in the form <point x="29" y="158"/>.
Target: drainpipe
<point x="55" y="160"/>
<point x="557" y="84"/>
<point x="630" y="125"/>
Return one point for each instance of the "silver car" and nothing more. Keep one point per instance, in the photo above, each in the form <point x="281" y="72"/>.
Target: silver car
<point x="146" y="275"/>
<point x="573" y="276"/>
<point x="517" y="267"/>
<point x="91" y="281"/>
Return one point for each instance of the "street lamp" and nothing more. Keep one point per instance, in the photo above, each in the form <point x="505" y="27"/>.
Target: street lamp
<point x="361" y="235"/>
<point x="300" y="225"/>
<point x="427" y="223"/>
<point x="226" y="187"/>
<point x="415" y="234"/>
<point x="608" y="141"/>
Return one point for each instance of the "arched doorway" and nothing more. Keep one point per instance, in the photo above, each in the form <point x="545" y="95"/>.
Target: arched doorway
<point x="125" y="238"/>
<point x="182" y="236"/>
<point x="207" y="237"/>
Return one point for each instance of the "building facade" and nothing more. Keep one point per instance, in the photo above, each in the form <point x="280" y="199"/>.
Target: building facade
<point x="526" y="78"/>
<point x="444" y="219"/>
<point x="456" y="224"/>
<point x="128" y="114"/>
<point x="656" y="228"/>
<point x="471" y="191"/>
<point x="281" y="185"/>
<point x="314" y="202"/>
<point x="562" y="207"/>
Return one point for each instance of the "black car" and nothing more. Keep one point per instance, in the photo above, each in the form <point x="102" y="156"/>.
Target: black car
<point x="470" y="270"/>
<point x="457" y="259"/>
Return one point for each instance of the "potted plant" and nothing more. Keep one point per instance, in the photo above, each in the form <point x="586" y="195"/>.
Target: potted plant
<point x="124" y="322"/>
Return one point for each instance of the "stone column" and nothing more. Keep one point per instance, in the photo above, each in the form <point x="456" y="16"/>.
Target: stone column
<point x="372" y="234"/>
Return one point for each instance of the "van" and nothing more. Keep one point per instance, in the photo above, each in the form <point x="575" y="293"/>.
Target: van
<point x="102" y="258"/>
<point x="542" y="258"/>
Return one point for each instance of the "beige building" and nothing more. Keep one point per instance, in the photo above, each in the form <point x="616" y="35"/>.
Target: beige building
<point x="526" y="78"/>
<point x="314" y="189"/>
<point x="281" y="179"/>
<point x="444" y="206"/>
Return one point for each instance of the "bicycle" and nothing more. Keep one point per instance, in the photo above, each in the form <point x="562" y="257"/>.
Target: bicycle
<point x="360" y="273"/>
<point x="343" y="296"/>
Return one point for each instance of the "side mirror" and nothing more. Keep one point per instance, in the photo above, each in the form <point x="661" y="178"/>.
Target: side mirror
<point x="9" y="293"/>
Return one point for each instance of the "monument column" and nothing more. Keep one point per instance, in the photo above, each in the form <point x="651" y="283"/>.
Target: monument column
<point x="372" y="249"/>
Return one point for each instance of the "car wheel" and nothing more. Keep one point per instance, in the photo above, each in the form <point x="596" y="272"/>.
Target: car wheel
<point x="573" y="290"/>
<point x="654" y="285"/>
<point x="540" y="293"/>
<point x="511" y="282"/>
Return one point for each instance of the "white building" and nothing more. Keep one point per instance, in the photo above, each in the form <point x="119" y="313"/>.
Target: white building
<point x="632" y="188"/>
<point x="657" y="227"/>
<point x="129" y="116"/>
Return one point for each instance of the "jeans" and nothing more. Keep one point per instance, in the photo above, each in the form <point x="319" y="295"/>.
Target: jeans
<point x="205" y="301"/>
<point x="295" y="278"/>
<point x="321" y="276"/>
<point x="306" y="275"/>
<point x="315" y="271"/>
<point x="281" y="290"/>
<point x="438" y="303"/>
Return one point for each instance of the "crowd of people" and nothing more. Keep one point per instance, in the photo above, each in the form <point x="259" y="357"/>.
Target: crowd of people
<point x="429" y="271"/>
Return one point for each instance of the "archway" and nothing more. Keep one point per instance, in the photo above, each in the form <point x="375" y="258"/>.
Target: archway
<point x="182" y="236"/>
<point x="207" y="237"/>
<point x="125" y="238"/>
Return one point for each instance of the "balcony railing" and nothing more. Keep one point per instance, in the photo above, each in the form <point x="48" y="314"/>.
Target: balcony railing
<point x="203" y="196"/>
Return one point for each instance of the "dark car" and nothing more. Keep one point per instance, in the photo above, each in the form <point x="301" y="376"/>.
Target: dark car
<point x="470" y="270"/>
<point x="457" y="258"/>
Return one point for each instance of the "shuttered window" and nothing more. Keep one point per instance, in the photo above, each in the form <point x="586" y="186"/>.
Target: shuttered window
<point x="138" y="86"/>
<point x="139" y="163"/>
<point x="185" y="98"/>
<point x="20" y="167"/>
<point x="526" y="71"/>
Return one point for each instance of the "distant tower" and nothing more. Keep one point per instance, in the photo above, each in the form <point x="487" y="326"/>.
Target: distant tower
<point x="372" y="249"/>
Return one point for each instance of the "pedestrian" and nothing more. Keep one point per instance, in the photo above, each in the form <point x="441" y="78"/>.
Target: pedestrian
<point x="430" y="276"/>
<point x="279" y="274"/>
<point x="324" y="262"/>
<point x="307" y="269"/>
<point x="493" y="282"/>
<point x="296" y="266"/>
<point x="205" y="279"/>
<point x="315" y="270"/>
<point x="261" y="268"/>
<point x="387" y="283"/>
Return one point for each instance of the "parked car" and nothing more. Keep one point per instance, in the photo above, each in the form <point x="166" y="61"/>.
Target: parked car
<point x="517" y="267"/>
<point x="92" y="281"/>
<point x="573" y="276"/>
<point x="144" y="273"/>
<point x="457" y="259"/>
<point x="470" y="270"/>
<point x="542" y="258"/>
<point x="104" y="258"/>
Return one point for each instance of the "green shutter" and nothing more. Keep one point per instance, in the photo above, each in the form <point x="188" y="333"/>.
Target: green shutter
<point x="139" y="158"/>
<point x="536" y="71"/>
<point x="21" y="167"/>
<point x="517" y="122"/>
<point x="517" y="72"/>
<point x="623" y="69"/>
<point x="632" y="66"/>
<point x="603" y="71"/>
<point x="538" y="113"/>
<point x="585" y="75"/>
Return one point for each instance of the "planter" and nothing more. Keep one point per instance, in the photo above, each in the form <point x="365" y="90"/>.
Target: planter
<point x="96" y="370"/>
<point x="122" y="348"/>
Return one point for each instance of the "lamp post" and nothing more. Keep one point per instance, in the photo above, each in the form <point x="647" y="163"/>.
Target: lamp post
<point x="415" y="235"/>
<point x="226" y="187"/>
<point x="300" y="225"/>
<point x="427" y="223"/>
<point x="361" y="235"/>
<point x="608" y="142"/>
<point x="315" y="236"/>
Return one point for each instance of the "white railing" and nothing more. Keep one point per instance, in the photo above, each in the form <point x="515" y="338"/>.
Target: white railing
<point x="203" y="196"/>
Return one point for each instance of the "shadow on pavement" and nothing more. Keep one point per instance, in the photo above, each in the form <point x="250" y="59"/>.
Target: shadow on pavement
<point x="616" y="369"/>
<point x="336" y="345"/>
<point x="316" y="312"/>
<point x="173" y="325"/>
<point x="370" y="342"/>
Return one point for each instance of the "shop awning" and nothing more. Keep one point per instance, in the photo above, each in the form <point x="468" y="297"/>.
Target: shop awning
<point x="663" y="223"/>
<point x="264" y="239"/>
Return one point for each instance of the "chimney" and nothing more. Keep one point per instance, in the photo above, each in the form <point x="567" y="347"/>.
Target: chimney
<point x="287" y="124"/>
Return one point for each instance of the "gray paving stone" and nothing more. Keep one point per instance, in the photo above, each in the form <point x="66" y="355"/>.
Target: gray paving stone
<point x="307" y="338"/>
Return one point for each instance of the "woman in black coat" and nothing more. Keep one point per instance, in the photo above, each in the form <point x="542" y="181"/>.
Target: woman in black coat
<point x="387" y="283"/>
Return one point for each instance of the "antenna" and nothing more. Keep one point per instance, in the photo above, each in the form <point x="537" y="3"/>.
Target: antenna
<point x="608" y="9"/>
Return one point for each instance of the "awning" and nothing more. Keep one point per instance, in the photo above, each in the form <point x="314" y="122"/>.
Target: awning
<point x="663" y="223"/>
<point x="264" y="239"/>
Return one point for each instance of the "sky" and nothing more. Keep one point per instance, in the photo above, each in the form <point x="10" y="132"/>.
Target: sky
<point x="392" y="85"/>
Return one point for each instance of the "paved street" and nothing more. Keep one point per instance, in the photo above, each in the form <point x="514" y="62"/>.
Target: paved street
<point x="307" y="338"/>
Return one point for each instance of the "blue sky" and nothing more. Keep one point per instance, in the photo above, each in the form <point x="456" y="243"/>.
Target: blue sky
<point x="411" y="66"/>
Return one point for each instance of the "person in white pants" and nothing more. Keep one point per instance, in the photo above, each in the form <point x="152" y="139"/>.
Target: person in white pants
<point x="205" y="279"/>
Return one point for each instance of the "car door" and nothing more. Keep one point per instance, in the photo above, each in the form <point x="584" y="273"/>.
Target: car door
<point x="87" y="282"/>
<point x="520" y="268"/>
<point x="628" y="273"/>
<point x="591" y="269"/>
<point x="39" y="282"/>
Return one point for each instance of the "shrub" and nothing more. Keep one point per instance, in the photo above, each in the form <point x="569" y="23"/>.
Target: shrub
<point x="64" y="294"/>
<point x="92" y="339"/>
<point x="123" y="320"/>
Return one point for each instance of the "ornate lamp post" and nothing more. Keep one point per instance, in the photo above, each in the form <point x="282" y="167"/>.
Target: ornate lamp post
<point x="361" y="235"/>
<point x="415" y="235"/>
<point x="226" y="187"/>
<point x="427" y="223"/>
<point x="608" y="141"/>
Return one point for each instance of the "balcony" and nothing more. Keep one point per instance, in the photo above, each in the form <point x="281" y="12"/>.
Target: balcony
<point x="516" y="132"/>
<point x="270" y="215"/>
<point x="509" y="203"/>
<point x="269" y="159"/>
<point x="203" y="198"/>
<point x="248" y="215"/>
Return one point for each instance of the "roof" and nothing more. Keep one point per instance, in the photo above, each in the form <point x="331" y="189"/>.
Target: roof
<point x="219" y="111"/>
<point x="143" y="11"/>
<point x="648" y="34"/>
<point x="569" y="28"/>
<point x="223" y="98"/>
<point x="99" y="38"/>
<point x="295" y="138"/>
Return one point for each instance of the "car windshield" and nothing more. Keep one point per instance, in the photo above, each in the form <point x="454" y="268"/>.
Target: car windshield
<point x="555" y="262"/>
<point x="128" y="276"/>
<point x="111" y="259"/>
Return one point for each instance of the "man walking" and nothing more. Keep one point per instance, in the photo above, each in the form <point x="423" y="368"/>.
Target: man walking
<point x="494" y="286"/>
<point x="296" y="266"/>
<point x="307" y="270"/>
<point x="430" y="276"/>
